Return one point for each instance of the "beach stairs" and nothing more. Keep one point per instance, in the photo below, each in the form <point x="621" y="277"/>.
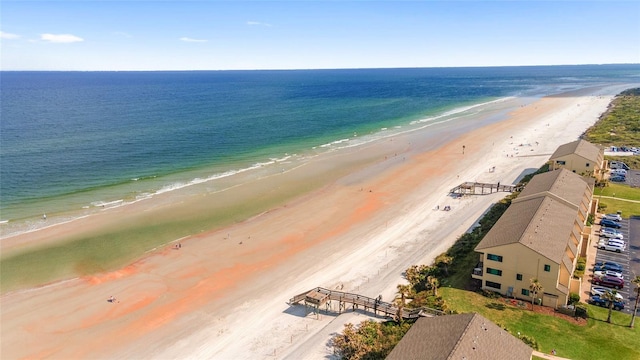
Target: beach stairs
<point x="321" y="298"/>
<point x="476" y="188"/>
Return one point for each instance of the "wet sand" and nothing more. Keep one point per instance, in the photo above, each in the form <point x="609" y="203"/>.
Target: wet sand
<point x="223" y="294"/>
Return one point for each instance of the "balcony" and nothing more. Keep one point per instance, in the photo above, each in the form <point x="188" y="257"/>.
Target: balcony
<point x="477" y="271"/>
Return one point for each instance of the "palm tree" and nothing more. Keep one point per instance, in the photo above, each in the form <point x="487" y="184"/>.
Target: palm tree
<point x="403" y="292"/>
<point x="535" y="288"/>
<point x="433" y="284"/>
<point x="636" y="282"/>
<point x="610" y="296"/>
<point x="444" y="260"/>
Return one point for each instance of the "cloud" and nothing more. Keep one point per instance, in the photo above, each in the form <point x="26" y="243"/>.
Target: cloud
<point x="257" y="23"/>
<point x="123" y="34"/>
<point x="61" y="38"/>
<point x="188" y="39"/>
<point x="8" y="36"/>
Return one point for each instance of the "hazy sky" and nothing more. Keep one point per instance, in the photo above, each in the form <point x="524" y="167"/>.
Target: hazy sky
<point x="220" y="35"/>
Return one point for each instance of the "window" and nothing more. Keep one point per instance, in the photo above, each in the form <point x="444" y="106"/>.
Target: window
<point x="587" y="164"/>
<point x="519" y="277"/>
<point x="492" y="284"/>
<point x="547" y="268"/>
<point x="494" y="271"/>
<point x="524" y="292"/>
<point x="560" y="162"/>
<point x="494" y="257"/>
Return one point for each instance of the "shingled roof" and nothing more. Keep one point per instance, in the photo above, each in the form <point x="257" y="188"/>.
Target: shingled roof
<point x="581" y="148"/>
<point x="462" y="336"/>
<point x="543" y="213"/>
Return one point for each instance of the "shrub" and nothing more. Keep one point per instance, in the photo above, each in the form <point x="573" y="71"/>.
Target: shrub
<point x="529" y="340"/>
<point x="581" y="311"/>
<point x="574" y="298"/>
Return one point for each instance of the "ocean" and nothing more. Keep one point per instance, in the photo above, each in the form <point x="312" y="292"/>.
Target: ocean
<point x="76" y="142"/>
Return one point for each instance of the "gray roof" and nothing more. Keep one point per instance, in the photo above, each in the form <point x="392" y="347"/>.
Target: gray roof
<point x="542" y="224"/>
<point x="462" y="336"/>
<point x="581" y="148"/>
<point x="543" y="216"/>
<point x="562" y="183"/>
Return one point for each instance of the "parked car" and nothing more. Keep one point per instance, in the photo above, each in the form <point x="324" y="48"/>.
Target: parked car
<point x="622" y="172"/>
<point x="609" y="273"/>
<point x="600" y="290"/>
<point x="605" y="245"/>
<point x="611" y="233"/>
<point x="607" y="265"/>
<point x="597" y="300"/>
<point x="613" y="217"/>
<point x="610" y="223"/>
<point x="618" y="242"/>
<point x="609" y="281"/>
<point x="618" y="165"/>
<point x="618" y="178"/>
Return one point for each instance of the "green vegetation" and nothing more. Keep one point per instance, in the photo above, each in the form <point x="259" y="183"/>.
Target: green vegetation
<point x="371" y="340"/>
<point x="617" y="197"/>
<point x="618" y="191"/>
<point x="595" y="340"/>
<point x="620" y="124"/>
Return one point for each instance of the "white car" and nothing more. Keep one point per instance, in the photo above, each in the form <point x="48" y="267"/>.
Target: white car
<point x="614" y="217"/>
<point x="611" y="233"/>
<point x="605" y="245"/>
<point x="600" y="290"/>
<point x="616" y="242"/>
<point x="608" y="272"/>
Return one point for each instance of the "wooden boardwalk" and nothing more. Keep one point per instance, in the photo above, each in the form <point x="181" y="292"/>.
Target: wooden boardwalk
<point x="320" y="298"/>
<point x="476" y="188"/>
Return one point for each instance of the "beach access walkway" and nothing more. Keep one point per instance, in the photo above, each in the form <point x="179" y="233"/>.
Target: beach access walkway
<point x="476" y="188"/>
<point x="318" y="298"/>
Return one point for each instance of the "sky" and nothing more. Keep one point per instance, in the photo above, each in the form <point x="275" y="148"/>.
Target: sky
<point x="238" y="35"/>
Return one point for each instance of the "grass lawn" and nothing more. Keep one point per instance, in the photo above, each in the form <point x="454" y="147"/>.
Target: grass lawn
<point x="625" y="192"/>
<point x="619" y="191"/>
<point x="597" y="340"/>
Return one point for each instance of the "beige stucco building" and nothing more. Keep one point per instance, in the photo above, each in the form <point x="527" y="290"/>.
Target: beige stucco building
<point x="540" y="236"/>
<point x="580" y="157"/>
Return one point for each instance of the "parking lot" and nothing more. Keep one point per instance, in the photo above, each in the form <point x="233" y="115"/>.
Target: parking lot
<point x="632" y="178"/>
<point x="629" y="259"/>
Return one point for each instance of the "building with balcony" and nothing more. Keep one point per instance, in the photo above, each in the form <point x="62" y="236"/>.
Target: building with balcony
<point x="580" y="157"/>
<point x="540" y="236"/>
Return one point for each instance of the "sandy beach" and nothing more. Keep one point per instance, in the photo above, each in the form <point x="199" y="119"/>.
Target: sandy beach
<point x="224" y="293"/>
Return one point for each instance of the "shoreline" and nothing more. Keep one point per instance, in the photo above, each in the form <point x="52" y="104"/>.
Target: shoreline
<point x="215" y="175"/>
<point x="196" y="301"/>
<point x="223" y="177"/>
<point x="182" y="207"/>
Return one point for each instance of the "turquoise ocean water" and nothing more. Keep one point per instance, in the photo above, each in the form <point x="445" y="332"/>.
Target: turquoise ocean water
<point x="74" y="141"/>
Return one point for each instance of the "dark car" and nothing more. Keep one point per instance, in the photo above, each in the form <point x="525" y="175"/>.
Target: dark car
<point x="607" y="265"/>
<point x="618" y="178"/>
<point x="597" y="300"/>
<point x="609" y="223"/>
<point x="609" y="281"/>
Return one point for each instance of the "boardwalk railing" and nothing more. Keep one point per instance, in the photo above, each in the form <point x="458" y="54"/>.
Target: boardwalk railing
<point x="319" y="297"/>
<point x="476" y="188"/>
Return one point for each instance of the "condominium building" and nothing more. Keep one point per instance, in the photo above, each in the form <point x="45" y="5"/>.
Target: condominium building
<point x="580" y="157"/>
<point x="540" y="236"/>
